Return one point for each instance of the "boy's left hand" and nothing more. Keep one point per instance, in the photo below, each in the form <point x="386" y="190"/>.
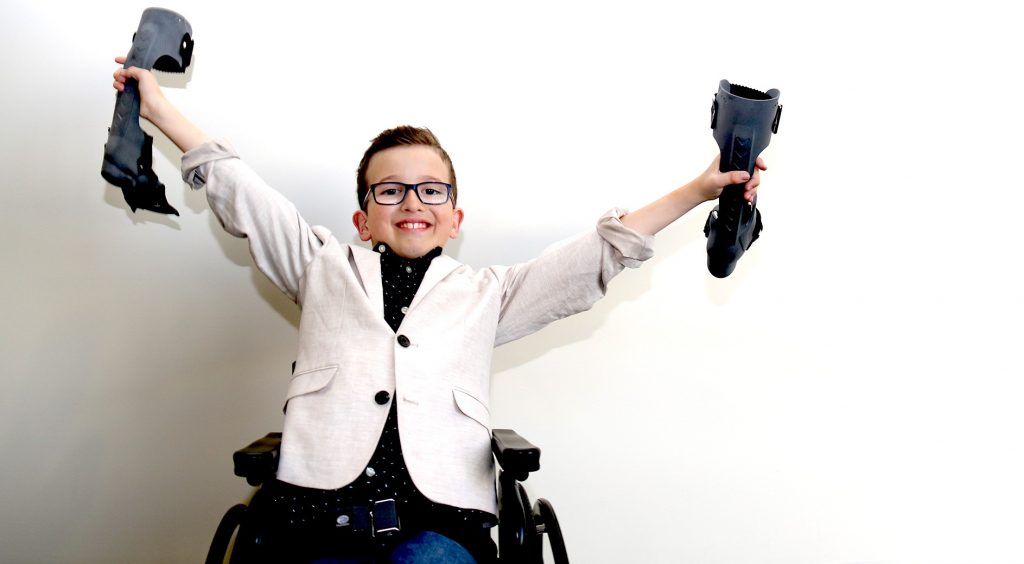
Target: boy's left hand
<point x="657" y="215"/>
<point x="711" y="183"/>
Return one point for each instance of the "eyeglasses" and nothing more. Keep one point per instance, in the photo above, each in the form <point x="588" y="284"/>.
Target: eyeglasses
<point x="394" y="193"/>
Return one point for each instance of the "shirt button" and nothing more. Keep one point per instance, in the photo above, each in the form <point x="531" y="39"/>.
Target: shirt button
<point x="382" y="397"/>
<point x="408" y="270"/>
<point x="380" y="248"/>
<point x="370" y="471"/>
<point x="403" y="340"/>
<point x="405" y="309"/>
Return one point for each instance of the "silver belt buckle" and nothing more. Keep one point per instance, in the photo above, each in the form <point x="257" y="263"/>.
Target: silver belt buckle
<point x="385" y="517"/>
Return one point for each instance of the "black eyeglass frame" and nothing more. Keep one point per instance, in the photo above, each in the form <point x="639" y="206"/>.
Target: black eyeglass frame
<point x="408" y="188"/>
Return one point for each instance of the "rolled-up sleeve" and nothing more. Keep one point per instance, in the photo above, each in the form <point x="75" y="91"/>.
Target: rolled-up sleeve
<point x="197" y="163"/>
<point x="632" y="247"/>
<point x="568" y="277"/>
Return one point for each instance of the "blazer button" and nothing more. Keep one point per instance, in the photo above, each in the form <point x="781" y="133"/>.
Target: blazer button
<point x="382" y="397"/>
<point x="403" y="340"/>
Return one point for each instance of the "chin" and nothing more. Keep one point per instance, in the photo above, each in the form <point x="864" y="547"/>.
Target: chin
<point x="412" y="252"/>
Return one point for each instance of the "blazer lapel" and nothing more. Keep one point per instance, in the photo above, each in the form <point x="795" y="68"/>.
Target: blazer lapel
<point x="439" y="268"/>
<point x="367" y="263"/>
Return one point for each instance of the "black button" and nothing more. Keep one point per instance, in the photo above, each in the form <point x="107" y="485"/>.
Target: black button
<point x="382" y="397"/>
<point x="403" y="340"/>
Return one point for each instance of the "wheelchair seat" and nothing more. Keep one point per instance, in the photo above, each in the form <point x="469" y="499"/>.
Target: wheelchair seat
<point x="521" y="526"/>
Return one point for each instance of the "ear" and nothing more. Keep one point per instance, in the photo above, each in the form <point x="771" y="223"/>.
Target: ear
<point x="457" y="217"/>
<point x="359" y="219"/>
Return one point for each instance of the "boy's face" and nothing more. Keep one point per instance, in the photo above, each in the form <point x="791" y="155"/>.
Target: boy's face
<point x="411" y="228"/>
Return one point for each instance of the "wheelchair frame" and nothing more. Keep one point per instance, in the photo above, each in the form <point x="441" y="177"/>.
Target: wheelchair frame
<point x="520" y="524"/>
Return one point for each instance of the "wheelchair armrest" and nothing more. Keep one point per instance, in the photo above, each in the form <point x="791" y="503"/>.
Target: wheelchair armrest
<point x="258" y="461"/>
<point x="514" y="454"/>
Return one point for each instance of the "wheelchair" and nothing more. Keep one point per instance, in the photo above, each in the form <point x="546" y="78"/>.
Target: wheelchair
<point x="521" y="526"/>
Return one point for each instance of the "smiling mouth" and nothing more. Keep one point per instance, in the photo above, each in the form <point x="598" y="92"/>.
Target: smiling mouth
<point x="413" y="225"/>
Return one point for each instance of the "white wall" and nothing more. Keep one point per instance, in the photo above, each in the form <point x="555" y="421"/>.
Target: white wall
<point x="850" y="394"/>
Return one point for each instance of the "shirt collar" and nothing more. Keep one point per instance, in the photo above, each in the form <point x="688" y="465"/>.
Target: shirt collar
<point x="390" y="258"/>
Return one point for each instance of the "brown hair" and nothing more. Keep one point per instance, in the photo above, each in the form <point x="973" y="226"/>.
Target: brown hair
<point x="398" y="136"/>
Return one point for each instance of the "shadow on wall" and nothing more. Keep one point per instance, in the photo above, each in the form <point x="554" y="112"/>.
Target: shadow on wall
<point x="632" y="285"/>
<point x="629" y="286"/>
<point x="235" y="249"/>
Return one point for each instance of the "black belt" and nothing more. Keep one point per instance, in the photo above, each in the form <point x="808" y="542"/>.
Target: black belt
<point x="305" y="509"/>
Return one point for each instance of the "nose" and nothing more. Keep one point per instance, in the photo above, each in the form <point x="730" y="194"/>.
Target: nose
<point x="412" y="201"/>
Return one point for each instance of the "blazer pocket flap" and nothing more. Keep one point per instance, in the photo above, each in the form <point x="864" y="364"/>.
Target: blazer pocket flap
<point x="311" y="381"/>
<point x="472" y="407"/>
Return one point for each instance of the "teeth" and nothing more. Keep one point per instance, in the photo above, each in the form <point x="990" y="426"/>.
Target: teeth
<point x="410" y="225"/>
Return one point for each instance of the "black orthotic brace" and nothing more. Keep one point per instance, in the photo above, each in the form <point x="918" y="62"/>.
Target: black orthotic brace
<point x="163" y="42"/>
<point x="743" y="120"/>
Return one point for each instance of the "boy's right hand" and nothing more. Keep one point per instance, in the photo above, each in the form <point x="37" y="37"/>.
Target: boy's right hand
<point x="151" y="97"/>
<point x="154" y="107"/>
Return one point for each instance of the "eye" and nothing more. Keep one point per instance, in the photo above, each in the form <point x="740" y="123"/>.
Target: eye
<point x="431" y="191"/>
<point x="389" y="191"/>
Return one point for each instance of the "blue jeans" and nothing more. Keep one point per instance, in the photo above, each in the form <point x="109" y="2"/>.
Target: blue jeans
<point x="426" y="547"/>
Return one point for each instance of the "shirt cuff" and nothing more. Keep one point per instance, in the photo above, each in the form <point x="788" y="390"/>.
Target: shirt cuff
<point x="632" y="246"/>
<point x="196" y="163"/>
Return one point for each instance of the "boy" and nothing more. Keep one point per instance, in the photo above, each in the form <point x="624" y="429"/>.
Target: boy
<point x="390" y="393"/>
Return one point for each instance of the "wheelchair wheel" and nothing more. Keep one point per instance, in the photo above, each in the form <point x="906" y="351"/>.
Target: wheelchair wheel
<point x="248" y="531"/>
<point x="547" y="522"/>
<point x="518" y="540"/>
<point x="231" y="521"/>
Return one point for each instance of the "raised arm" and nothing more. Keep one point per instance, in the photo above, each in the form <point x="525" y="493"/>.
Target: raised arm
<point x="282" y="243"/>
<point x="657" y="215"/>
<point x="158" y="110"/>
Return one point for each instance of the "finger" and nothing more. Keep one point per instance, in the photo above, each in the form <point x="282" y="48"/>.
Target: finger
<point x="132" y="72"/>
<point x="120" y="59"/>
<point x="761" y="164"/>
<point x="754" y="180"/>
<point x="736" y="177"/>
<point x="750" y="190"/>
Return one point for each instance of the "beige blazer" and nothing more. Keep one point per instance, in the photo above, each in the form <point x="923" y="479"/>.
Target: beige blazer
<point x="437" y="366"/>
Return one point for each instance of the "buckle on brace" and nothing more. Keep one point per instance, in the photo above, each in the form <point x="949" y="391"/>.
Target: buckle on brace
<point x="385" y="518"/>
<point x="714" y="111"/>
<point x="775" y="122"/>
